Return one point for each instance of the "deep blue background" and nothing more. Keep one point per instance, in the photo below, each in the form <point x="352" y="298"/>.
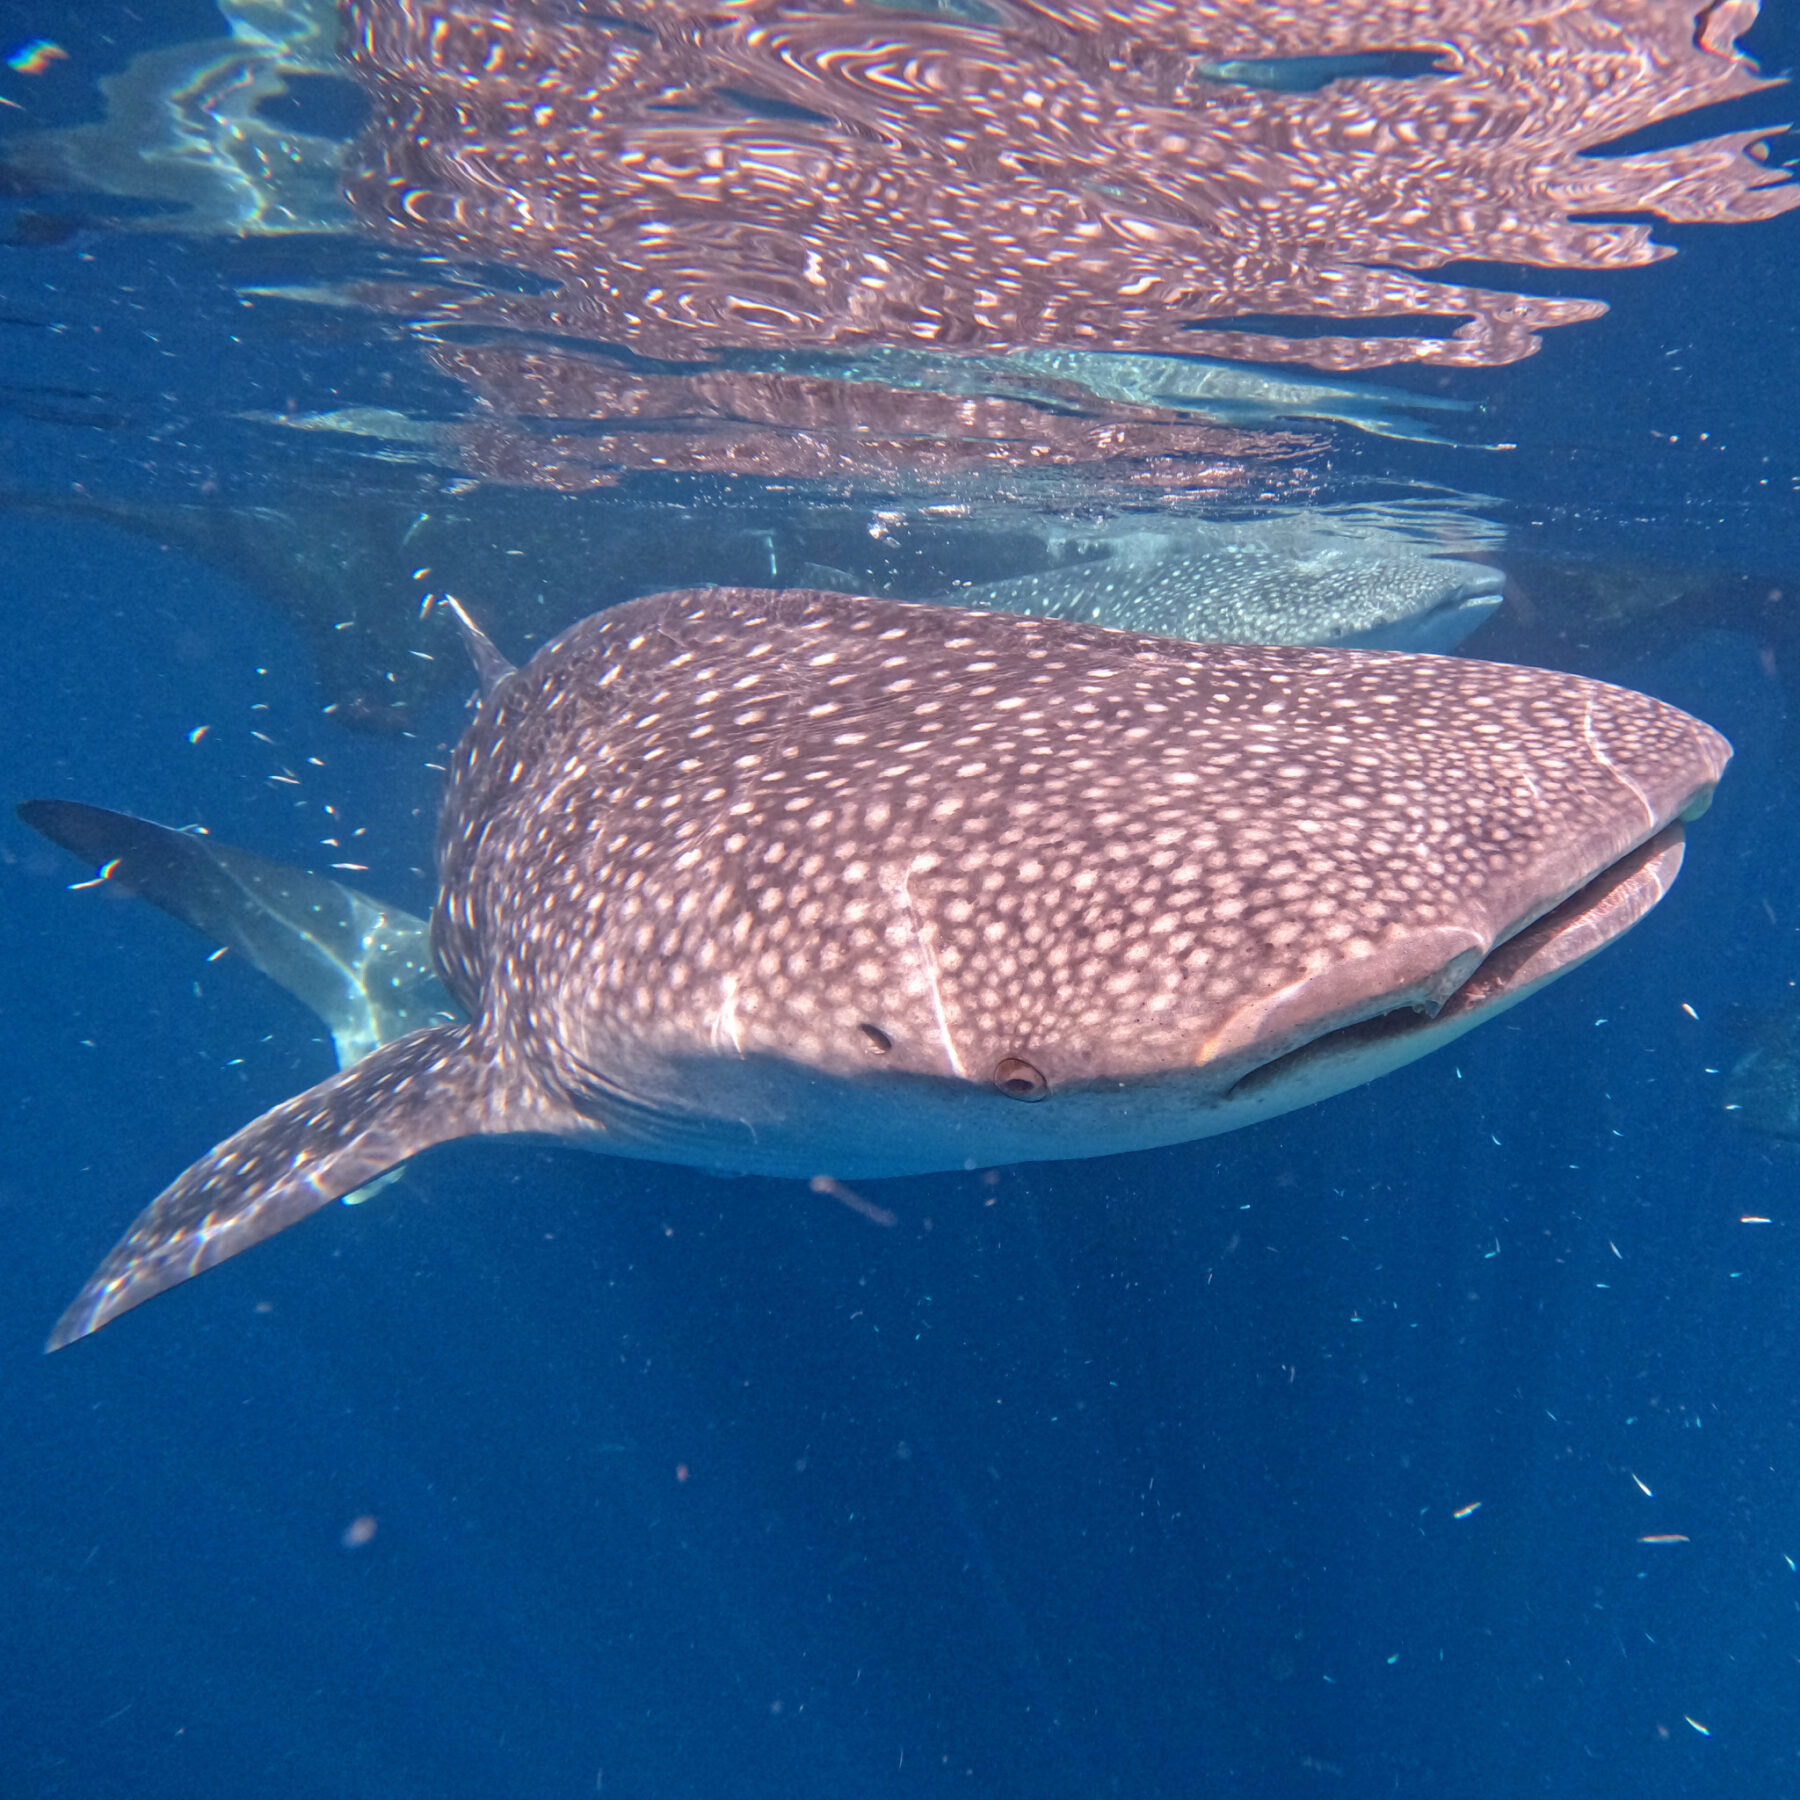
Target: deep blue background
<point x="1134" y="1477"/>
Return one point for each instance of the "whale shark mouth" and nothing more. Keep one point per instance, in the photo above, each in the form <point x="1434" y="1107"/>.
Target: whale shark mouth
<point x="1440" y="627"/>
<point x="1549" y="946"/>
<point x="1484" y="590"/>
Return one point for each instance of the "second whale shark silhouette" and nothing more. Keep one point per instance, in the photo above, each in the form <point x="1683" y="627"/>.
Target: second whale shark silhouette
<point x="1301" y="577"/>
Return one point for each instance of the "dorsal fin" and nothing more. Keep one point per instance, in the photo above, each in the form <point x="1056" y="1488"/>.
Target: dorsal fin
<point x="490" y="665"/>
<point x="423" y="1089"/>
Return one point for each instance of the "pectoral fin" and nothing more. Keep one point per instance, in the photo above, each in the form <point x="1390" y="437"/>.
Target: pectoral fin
<point x="362" y="966"/>
<point x="423" y="1089"/>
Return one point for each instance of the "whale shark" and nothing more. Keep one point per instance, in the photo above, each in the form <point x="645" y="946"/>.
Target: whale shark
<point x="1246" y="394"/>
<point x="1302" y="578"/>
<point x="804" y="884"/>
<point x="1392" y="576"/>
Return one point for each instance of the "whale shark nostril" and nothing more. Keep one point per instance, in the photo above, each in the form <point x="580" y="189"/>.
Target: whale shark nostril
<point x="1018" y="1080"/>
<point x="875" y="1040"/>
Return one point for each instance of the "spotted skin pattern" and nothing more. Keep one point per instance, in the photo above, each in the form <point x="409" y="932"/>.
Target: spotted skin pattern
<point x="1257" y="584"/>
<point x="800" y="882"/>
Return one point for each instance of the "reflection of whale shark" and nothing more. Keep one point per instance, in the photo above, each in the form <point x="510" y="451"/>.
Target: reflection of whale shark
<point x="188" y="130"/>
<point x="798" y="882"/>
<point x="364" y="967"/>
<point x="1299" y="579"/>
<point x="1239" y="393"/>
<point x="1245" y="394"/>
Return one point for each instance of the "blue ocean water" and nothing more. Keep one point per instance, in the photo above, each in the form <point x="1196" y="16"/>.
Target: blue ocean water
<point x="1327" y="1457"/>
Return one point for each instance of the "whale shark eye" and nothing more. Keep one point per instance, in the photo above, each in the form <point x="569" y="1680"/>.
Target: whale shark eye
<point x="875" y="1040"/>
<point x="1018" y="1080"/>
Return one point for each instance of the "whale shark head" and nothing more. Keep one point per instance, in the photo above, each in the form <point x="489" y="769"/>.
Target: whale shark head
<point x="1301" y="578"/>
<point x="801" y="883"/>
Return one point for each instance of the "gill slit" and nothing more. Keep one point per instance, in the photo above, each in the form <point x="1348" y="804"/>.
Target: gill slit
<point x="1612" y="768"/>
<point x="725" y="1026"/>
<point x="928" y="956"/>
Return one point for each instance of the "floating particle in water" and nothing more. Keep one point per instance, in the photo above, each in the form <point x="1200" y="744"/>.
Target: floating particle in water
<point x="34" y="58"/>
<point x="104" y="874"/>
<point x="825" y="1184"/>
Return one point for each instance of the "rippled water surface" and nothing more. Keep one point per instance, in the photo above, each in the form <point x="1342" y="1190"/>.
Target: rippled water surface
<point x="1437" y="1441"/>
